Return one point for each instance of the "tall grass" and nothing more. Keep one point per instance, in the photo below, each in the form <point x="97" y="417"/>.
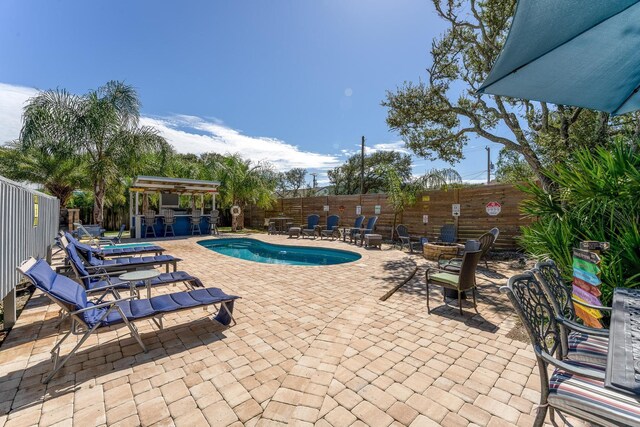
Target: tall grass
<point x="597" y="198"/>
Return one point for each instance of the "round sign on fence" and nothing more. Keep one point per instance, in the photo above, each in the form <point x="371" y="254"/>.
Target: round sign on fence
<point x="235" y="210"/>
<point x="493" y="208"/>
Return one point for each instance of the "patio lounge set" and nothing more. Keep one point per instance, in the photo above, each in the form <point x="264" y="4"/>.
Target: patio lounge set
<point x="93" y="301"/>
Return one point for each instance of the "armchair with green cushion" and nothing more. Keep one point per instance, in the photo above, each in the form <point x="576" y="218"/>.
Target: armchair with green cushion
<point x="463" y="280"/>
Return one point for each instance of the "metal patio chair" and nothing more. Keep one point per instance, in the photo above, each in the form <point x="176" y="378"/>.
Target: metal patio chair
<point x="460" y="281"/>
<point x="579" y="342"/>
<point x="405" y="238"/>
<point x="88" y="316"/>
<point x="573" y="388"/>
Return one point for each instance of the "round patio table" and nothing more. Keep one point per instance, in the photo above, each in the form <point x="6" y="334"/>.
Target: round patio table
<point x="136" y="276"/>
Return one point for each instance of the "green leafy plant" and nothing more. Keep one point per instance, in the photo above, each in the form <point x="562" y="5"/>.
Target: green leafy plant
<point x="595" y="198"/>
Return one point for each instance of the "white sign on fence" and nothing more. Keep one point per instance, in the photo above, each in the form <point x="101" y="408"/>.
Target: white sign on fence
<point x="326" y="208"/>
<point x="377" y="209"/>
<point x="455" y="209"/>
<point x="358" y="210"/>
<point x="425" y="219"/>
<point x="493" y="208"/>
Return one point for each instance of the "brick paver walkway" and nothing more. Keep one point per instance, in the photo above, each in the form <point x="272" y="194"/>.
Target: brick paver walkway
<point x="313" y="345"/>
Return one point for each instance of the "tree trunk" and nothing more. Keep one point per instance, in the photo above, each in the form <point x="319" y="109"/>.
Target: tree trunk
<point x="98" y="202"/>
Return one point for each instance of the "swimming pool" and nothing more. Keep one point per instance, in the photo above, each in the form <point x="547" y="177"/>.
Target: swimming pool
<point x="258" y="251"/>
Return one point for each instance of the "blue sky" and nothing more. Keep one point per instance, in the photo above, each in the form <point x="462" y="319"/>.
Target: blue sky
<point x="294" y="82"/>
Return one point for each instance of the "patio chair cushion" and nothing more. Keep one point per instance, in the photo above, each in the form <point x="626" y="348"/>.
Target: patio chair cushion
<point x="132" y="260"/>
<point x="142" y="308"/>
<point x="445" y="278"/>
<point x="163" y="279"/>
<point x="588" y="348"/>
<point x="570" y="391"/>
<point x="132" y="250"/>
<point x="61" y="287"/>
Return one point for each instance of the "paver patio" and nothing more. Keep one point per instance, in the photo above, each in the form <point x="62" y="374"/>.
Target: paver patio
<point x="313" y="345"/>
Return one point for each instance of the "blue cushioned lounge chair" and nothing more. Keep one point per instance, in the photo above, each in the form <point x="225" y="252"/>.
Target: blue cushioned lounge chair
<point x="331" y="229"/>
<point x="102" y="280"/>
<point x="101" y="252"/>
<point x="312" y="225"/>
<point x="120" y="264"/>
<point x="90" y="315"/>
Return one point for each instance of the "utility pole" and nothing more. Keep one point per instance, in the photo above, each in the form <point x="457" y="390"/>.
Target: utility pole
<point x="488" y="164"/>
<point x="362" y="167"/>
<point x="315" y="183"/>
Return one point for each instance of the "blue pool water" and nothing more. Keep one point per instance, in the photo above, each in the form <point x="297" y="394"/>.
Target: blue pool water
<point x="255" y="250"/>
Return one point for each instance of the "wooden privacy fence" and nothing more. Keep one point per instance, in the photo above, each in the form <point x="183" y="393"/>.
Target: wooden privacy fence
<point x="437" y="205"/>
<point x="28" y="225"/>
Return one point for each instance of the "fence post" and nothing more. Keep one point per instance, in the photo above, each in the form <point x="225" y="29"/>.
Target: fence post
<point x="9" y="307"/>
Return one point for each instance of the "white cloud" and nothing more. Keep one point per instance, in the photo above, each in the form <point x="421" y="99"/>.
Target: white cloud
<point x="384" y="146"/>
<point x="12" y="101"/>
<point x="188" y="134"/>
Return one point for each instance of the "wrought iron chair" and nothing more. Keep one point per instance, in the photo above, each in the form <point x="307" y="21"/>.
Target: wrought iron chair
<point x="461" y="281"/>
<point x="573" y="388"/>
<point x="579" y="342"/>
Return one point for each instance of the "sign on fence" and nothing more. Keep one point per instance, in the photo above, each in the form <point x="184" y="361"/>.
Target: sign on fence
<point x="377" y="209"/>
<point x="358" y="210"/>
<point x="455" y="209"/>
<point x="325" y="208"/>
<point x="493" y="208"/>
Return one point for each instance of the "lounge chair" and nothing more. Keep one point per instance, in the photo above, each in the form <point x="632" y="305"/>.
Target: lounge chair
<point x="99" y="280"/>
<point x="368" y="229"/>
<point x="115" y="240"/>
<point x="351" y="232"/>
<point x="331" y="229"/>
<point x="461" y="281"/>
<point x="121" y="264"/>
<point x="310" y="229"/>
<point x="573" y="388"/>
<point x="90" y="315"/>
<point x="101" y="252"/>
<point x="483" y="244"/>
<point x="579" y="342"/>
<point x="447" y="234"/>
<point x="405" y="238"/>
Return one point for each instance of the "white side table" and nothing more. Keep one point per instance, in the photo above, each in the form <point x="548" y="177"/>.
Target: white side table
<point x="141" y="275"/>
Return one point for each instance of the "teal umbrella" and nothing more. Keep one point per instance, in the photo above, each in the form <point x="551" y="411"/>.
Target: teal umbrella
<point x="572" y="52"/>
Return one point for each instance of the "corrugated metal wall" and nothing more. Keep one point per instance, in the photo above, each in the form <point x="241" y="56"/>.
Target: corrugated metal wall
<point x="19" y="238"/>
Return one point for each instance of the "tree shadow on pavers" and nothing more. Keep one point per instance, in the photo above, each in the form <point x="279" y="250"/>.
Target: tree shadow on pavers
<point x="399" y="271"/>
<point x="490" y="274"/>
<point x="90" y="362"/>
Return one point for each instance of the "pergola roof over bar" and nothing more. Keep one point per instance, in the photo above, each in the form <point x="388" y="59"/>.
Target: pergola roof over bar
<point x="156" y="184"/>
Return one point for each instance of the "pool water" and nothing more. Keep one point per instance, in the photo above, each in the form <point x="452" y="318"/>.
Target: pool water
<point x="257" y="251"/>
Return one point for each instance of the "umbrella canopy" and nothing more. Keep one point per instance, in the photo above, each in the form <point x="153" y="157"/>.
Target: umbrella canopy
<point x="572" y="52"/>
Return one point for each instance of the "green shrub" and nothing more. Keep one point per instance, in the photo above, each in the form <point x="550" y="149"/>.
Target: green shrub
<point x="597" y="198"/>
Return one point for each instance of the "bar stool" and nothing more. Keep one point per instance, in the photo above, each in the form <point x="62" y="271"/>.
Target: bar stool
<point x="169" y="220"/>
<point x="149" y="222"/>
<point x="213" y="222"/>
<point x="195" y="223"/>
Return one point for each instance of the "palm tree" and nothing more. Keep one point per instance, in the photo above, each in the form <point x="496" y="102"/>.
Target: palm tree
<point x="101" y="125"/>
<point x="58" y="174"/>
<point x="243" y="183"/>
<point x="436" y="179"/>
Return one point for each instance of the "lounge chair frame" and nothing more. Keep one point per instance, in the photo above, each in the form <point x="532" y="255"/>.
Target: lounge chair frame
<point x="80" y="327"/>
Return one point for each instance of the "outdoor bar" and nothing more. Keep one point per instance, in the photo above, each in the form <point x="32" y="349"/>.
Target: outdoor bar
<point x="169" y="191"/>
